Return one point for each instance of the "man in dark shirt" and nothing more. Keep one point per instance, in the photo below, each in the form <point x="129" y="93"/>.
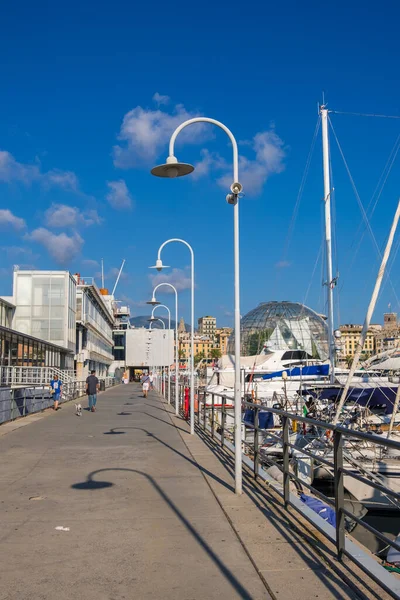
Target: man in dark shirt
<point x="92" y="387"/>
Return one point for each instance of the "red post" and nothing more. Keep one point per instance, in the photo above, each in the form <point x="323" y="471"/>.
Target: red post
<point x="186" y="404"/>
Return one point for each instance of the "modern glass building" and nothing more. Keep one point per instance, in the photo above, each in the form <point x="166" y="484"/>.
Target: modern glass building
<point x="21" y="350"/>
<point x="45" y="307"/>
<point x="282" y="326"/>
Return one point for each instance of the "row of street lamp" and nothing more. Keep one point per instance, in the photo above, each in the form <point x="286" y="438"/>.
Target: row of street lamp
<point x="171" y="169"/>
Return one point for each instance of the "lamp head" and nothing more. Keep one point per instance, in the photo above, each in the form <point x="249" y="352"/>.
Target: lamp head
<point x="159" y="266"/>
<point x="153" y="301"/>
<point x="152" y="319"/>
<point x="172" y="169"/>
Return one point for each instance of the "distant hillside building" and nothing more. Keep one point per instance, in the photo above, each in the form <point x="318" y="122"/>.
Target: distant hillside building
<point x="181" y="326"/>
<point x="349" y="340"/>
<point x="207" y="326"/>
<point x="222" y="337"/>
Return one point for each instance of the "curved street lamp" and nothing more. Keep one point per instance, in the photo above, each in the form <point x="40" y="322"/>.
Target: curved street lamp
<point x="152" y="320"/>
<point x="172" y="168"/>
<point x="169" y="327"/>
<point x="154" y="302"/>
<point x="159" y="266"/>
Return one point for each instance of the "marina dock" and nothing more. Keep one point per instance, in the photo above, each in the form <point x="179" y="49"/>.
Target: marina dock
<point x="124" y="503"/>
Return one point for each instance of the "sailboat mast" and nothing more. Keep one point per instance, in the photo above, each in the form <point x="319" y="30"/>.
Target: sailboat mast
<point x="328" y="237"/>
<point x="367" y="321"/>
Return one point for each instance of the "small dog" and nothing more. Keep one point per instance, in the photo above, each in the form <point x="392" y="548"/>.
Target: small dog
<point x="78" y="409"/>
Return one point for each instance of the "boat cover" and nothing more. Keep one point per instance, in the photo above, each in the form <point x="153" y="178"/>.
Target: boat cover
<point x="363" y="394"/>
<point x="326" y="512"/>
<point x="317" y="370"/>
<point x="265" y="418"/>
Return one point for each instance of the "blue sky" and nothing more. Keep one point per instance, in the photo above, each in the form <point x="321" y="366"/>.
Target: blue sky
<point x="90" y="93"/>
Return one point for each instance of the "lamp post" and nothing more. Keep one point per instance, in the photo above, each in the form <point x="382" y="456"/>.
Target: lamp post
<point x="154" y="302"/>
<point x="169" y="328"/>
<point x="172" y="169"/>
<point x="159" y="266"/>
<point x="152" y="320"/>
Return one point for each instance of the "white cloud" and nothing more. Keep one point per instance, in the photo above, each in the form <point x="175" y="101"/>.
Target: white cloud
<point x="269" y="158"/>
<point x="178" y="277"/>
<point x="160" y="99"/>
<point x="66" y="180"/>
<point x="209" y="161"/>
<point x="112" y="275"/>
<point x="19" y="252"/>
<point x="145" y="133"/>
<point x="7" y="218"/>
<point x="283" y="264"/>
<point x="11" y="170"/>
<point x="62" y="215"/>
<point x="88" y="262"/>
<point x="119" y="196"/>
<point x="61" y="247"/>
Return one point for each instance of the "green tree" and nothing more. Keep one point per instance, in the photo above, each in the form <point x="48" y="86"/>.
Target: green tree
<point x="256" y="341"/>
<point x="348" y="359"/>
<point x="198" y="357"/>
<point x="215" y="353"/>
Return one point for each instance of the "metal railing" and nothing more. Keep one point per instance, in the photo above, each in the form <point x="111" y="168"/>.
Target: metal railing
<point x="23" y="401"/>
<point x="21" y="375"/>
<point x="216" y="419"/>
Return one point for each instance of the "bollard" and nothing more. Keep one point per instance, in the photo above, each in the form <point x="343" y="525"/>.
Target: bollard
<point x="186" y="404"/>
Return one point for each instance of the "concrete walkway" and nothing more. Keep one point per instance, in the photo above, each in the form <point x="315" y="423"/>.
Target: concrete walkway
<point x="150" y="513"/>
<point x="143" y="523"/>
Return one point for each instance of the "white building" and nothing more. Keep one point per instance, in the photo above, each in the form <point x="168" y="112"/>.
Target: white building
<point x="45" y="308"/>
<point x="94" y="333"/>
<point x="207" y="326"/>
<point x="149" y="348"/>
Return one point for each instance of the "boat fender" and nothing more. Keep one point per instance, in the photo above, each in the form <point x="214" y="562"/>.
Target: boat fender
<point x="277" y="474"/>
<point x="393" y="556"/>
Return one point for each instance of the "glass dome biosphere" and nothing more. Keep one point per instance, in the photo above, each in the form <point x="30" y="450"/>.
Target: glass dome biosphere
<point x="282" y="326"/>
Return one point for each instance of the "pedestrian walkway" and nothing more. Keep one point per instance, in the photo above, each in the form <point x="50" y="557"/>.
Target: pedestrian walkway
<point x="125" y="504"/>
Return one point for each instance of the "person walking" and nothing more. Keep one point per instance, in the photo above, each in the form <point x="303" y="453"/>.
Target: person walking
<point x="92" y="387"/>
<point x="56" y="389"/>
<point x="145" y="384"/>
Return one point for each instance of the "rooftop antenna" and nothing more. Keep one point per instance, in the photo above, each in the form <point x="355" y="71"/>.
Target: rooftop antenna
<point x="119" y="275"/>
<point x="102" y="273"/>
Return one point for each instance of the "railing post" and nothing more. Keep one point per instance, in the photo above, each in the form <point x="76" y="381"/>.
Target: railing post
<point x="256" y="454"/>
<point x="286" y="477"/>
<point x="339" y="492"/>
<point x="212" y="415"/>
<point x="223" y="420"/>
<point x="198" y="409"/>
<point x="204" y="414"/>
<point x="12" y="404"/>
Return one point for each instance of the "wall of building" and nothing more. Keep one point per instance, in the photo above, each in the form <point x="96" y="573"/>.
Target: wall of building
<point x="19" y="350"/>
<point x="222" y="336"/>
<point x="45" y="306"/>
<point x="207" y="326"/>
<point x="6" y="313"/>
<point x="94" y="337"/>
<point x="161" y="348"/>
